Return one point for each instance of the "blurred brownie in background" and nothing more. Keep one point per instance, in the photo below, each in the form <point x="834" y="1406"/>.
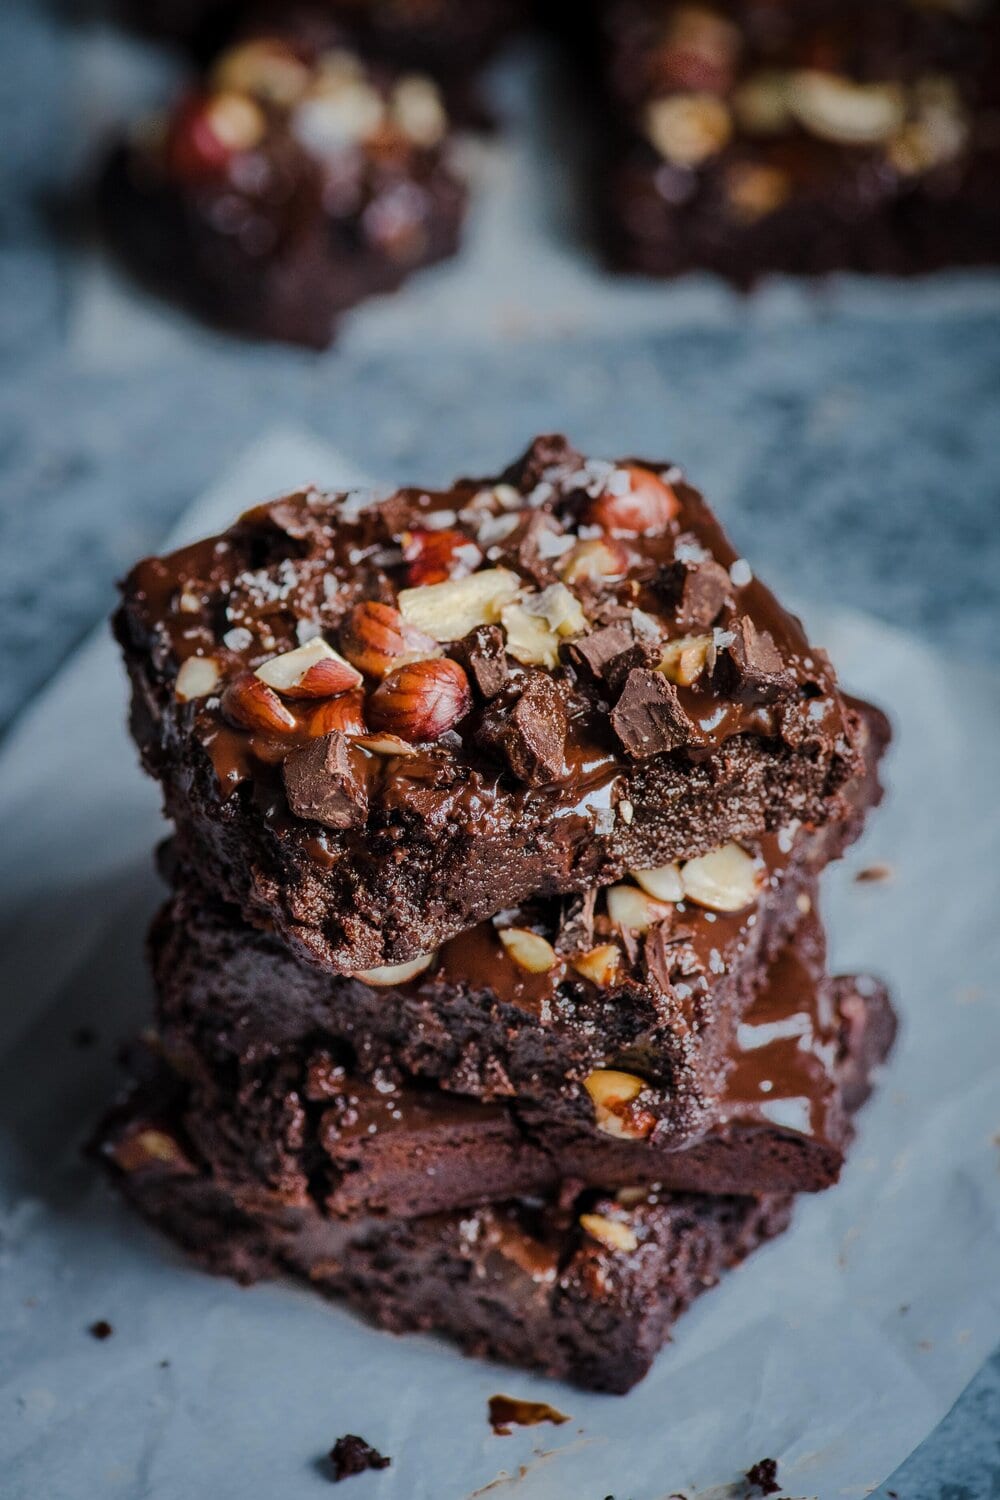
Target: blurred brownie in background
<point x="286" y="186"/>
<point x="762" y="135"/>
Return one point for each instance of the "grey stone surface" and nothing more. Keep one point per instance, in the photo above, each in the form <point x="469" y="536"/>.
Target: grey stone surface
<point x="854" y="451"/>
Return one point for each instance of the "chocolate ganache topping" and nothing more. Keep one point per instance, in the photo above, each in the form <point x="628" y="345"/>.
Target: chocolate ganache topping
<point x="545" y="634"/>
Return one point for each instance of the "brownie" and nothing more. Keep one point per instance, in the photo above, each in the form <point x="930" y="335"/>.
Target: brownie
<point x="540" y="682"/>
<point x="587" y="1291"/>
<point x="300" y="1122"/>
<point x="799" y="135"/>
<point x="285" y="187"/>
<point x="600" y="994"/>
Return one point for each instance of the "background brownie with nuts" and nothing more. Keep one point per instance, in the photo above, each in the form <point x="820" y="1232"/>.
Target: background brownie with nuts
<point x="760" y="135"/>
<point x="287" y="186"/>
<point x="378" y="723"/>
<point x="298" y="1119"/>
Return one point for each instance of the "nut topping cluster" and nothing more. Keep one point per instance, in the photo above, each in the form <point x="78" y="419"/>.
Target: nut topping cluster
<point x="326" y="105"/>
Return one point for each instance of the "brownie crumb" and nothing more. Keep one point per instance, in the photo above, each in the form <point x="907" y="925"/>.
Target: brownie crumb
<point x="764" y="1476"/>
<point x="873" y="873"/>
<point x="508" y="1411"/>
<point x="102" y="1329"/>
<point x="352" y="1455"/>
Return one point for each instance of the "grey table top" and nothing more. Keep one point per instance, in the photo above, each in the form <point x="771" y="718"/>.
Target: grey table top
<point x="853" y="449"/>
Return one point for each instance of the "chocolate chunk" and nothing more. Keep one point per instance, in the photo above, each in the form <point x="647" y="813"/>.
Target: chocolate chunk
<point x="482" y="655"/>
<point x="530" y="731"/>
<point x="695" y="591"/>
<point x="325" y="782"/>
<point x="748" y="667"/>
<point x="549" y="451"/>
<point x="763" y="1476"/>
<point x="608" y="654"/>
<point x="591" y="654"/>
<point x="644" y="652"/>
<point x="648" y="718"/>
<point x="396" y="513"/>
<point x="352" y="1455"/>
<point x="532" y="547"/>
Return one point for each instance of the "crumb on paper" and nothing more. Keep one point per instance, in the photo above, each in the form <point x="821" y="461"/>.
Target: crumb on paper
<point x="350" y="1454"/>
<point x="763" y="1476"/>
<point x="507" y="1411"/>
<point x="102" y="1329"/>
<point x="873" y="874"/>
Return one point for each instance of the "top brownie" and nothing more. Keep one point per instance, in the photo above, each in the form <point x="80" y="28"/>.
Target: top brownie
<point x="378" y="722"/>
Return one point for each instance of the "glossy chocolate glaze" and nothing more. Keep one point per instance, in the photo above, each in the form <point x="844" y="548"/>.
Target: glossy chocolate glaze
<point x="779" y="1067"/>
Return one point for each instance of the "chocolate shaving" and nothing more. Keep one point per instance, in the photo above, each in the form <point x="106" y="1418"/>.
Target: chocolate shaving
<point x="325" y="782"/>
<point x="482" y="655"/>
<point x="576" y="924"/>
<point x="695" y="591"/>
<point x="530" y="731"/>
<point x="648" y="718"/>
<point x="749" y="668"/>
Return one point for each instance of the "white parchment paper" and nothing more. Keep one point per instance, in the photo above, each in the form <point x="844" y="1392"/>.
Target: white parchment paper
<point x="835" y="1350"/>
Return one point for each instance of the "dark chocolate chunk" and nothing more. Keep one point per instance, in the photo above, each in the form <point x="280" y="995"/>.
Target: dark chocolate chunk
<point x="763" y="1476"/>
<point x="352" y="1455"/>
<point x="648" y="718"/>
<point x="482" y="655"/>
<point x="529" y="732"/>
<point x="748" y="667"/>
<point x="695" y="591"/>
<point x="549" y="451"/>
<point x="325" y="782"/>
<point x="591" y="654"/>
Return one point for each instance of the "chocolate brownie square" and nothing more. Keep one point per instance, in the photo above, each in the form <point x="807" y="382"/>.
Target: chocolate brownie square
<point x="377" y="723"/>
<point x="286" y="187"/>
<point x="616" y="1009"/>
<point x="757" y="136"/>
<point x="300" y="1123"/>
<point x="587" y="1291"/>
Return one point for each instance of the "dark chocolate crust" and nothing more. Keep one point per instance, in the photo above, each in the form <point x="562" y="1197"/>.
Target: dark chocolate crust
<point x="334" y="191"/>
<point x="299" y="1121"/>
<point x="808" y="137"/>
<point x="523" y="1283"/>
<point x="598" y="752"/>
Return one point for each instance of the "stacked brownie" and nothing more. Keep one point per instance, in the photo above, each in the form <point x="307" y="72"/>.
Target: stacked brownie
<point x="491" y="989"/>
